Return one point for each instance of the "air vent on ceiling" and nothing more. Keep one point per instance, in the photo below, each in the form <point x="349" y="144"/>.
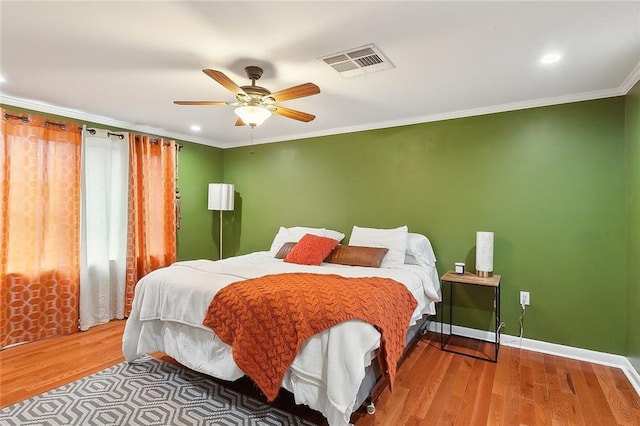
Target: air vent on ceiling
<point x="358" y="61"/>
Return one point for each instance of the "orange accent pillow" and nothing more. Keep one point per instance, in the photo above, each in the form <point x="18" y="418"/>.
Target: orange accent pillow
<point x="311" y="250"/>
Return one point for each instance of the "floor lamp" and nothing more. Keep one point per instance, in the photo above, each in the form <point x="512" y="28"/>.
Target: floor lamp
<point x="221" y="198"/>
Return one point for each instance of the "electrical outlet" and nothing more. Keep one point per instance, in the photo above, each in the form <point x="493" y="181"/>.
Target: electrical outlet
<point x="524" y="298"/>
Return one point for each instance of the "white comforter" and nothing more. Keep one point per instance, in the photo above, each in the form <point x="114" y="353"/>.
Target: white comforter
<point x="170" y="304"/>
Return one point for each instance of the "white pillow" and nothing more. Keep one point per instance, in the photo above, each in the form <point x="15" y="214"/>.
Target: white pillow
<point x="336" y="235"/>
<point x="295" y="233"/>
<point x="419" y="251"/>
<point x="393" y="239"/>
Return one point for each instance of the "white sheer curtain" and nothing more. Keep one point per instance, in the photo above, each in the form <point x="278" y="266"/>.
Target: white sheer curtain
<point x="103" y="226"/>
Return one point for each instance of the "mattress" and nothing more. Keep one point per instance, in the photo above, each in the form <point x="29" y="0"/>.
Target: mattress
<point x="170" y="304"/>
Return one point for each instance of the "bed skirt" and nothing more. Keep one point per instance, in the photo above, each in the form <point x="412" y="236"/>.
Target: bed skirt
<point x="373" y="376"/>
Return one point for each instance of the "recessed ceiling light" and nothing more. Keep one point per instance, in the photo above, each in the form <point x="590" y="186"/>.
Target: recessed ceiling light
<point x="195" y="128"/>
<point x="2" y="79"/>
<point x="550" y="58"/>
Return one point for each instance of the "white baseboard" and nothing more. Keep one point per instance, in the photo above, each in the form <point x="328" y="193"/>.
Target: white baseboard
<point x="595" y="357"/>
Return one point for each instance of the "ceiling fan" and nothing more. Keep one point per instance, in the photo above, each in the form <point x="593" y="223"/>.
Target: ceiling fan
<point x="254" y="104"/>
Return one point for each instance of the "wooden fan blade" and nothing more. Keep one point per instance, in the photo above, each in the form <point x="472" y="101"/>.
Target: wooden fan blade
<point x="300" y="91"/>
<point x="239" y="122"/>
<point x="200" y="103"/>
<point x="292" y="113"/>
<point x="221" y="78"/>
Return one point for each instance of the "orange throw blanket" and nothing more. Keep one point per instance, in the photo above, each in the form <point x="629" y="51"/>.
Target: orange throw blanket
<point x="265" y="320"/>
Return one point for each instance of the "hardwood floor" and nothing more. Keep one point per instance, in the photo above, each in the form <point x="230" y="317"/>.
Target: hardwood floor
<point x="33" y="368"/>
<point x="433" y="387"/>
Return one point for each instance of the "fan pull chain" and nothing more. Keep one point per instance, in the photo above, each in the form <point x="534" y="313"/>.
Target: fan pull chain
<point x="252" y="151"/>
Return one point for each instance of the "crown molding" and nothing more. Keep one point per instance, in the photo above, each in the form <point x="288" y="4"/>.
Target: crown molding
<point x="514" y="106"/>
<point x="631" y="80"/>
<point x="622" y="90"/>
<point x="92" y="118"/>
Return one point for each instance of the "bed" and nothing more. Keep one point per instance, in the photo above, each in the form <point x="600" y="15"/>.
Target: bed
<point x="333" y="371"/>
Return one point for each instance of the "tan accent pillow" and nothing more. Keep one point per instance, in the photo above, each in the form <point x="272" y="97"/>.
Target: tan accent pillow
<point x="357" y="256"/>
<point x="284" y="250"/>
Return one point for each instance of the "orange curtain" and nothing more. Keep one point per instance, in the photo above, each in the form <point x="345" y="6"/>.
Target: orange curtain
<point x="39" y="228"/>
<point x="151" y="238"/>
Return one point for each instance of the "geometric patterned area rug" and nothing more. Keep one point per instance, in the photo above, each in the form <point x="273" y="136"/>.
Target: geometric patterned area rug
<point x="147" y="392"/>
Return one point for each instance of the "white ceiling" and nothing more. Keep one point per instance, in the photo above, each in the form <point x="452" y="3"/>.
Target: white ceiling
<point x="123" y="63"/>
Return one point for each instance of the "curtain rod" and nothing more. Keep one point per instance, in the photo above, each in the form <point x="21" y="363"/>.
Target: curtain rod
<point x="62" y="126"/>
<point x="8" y="116"/>
<point x="109" y="134"/>
<point x="165" y="143"/>
<point x="48" y="123"/>
<point x="25" y="119"/>
<point x="121" y="136"/>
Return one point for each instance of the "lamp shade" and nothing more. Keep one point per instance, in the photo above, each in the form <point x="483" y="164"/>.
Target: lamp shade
<point x="252" y="115"/>
<point x="221" y="196"/>
<point x="484" y="253"/>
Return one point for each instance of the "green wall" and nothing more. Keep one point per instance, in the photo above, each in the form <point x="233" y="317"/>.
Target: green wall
<point x="632" y="121"/>
<point x="549" y="182"/>
<point x="198" y="166"/>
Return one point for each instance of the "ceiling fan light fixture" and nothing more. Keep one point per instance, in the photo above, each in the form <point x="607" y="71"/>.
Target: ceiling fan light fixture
<point x="254" y="103"/>
<point x="252" y="115"/>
